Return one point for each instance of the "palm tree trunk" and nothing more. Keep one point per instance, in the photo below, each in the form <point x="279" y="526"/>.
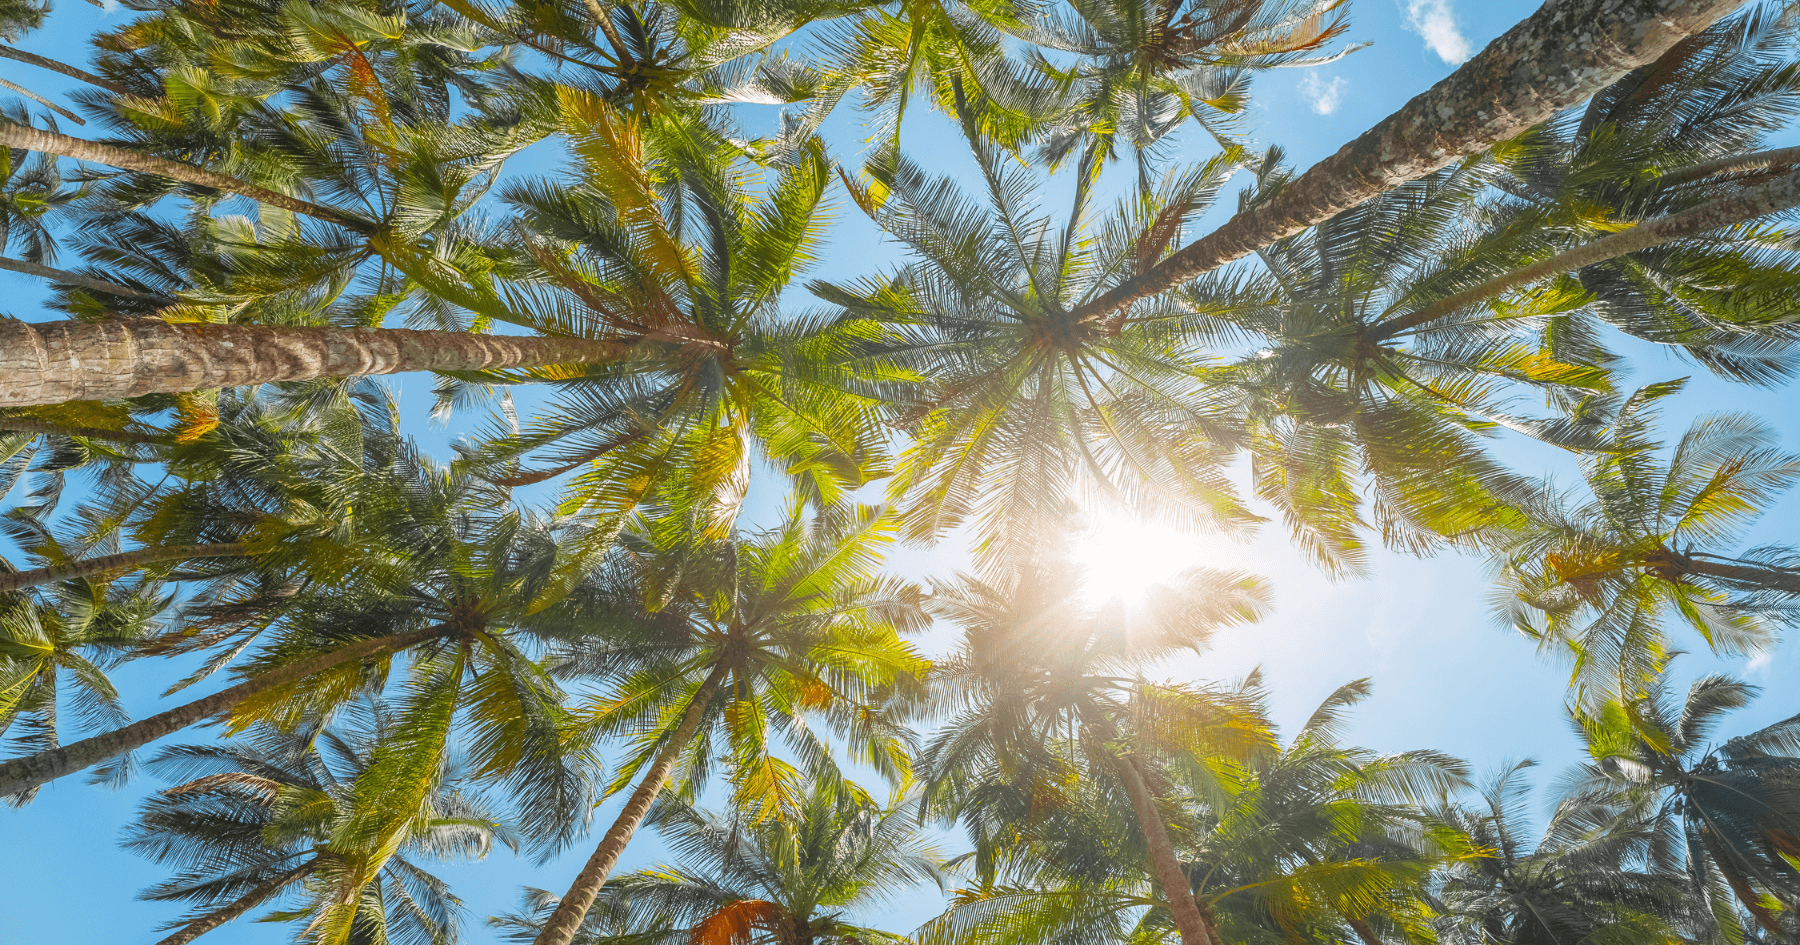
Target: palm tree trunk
<point x="41" y="428"/>
<point x="1361" y="929"/>
<point x="1557" y="57"/>
<point x="56" y="362"/>
<point x="566" y="920"/>
<point x="50" y="142"/>
<point x="70" y="278"/>
<point x="1747" y="575"/>
<point x="22" y="774"/>
<point x="21" y="90"/>
<point x="34" y="59"/>
<point x="241" y="905"/>
<point x="124" y="561"/>
<point x="1777" y="159"/>
<point x="1183" y="908"/>
<point x="1748" y="204"/>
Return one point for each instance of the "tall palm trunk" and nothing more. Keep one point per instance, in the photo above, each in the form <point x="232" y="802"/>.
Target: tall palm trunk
<point x="1778" y="159"/>
<point x="124" y="561"/>
<point x="1742" y="207"/>
<point x="239" y="906"/>
<point x="56" y="362"/>
<point x="566" y="920"/>
<point x="1748" y="575"/>
<point x="21" y="90"/>
<point x="38" y="427"/>
<point x="70" y="278"/>
<point x="50" y="142"/>
<point x="64" y="68"/>
<point x="1183" y="907"/>
<point x="1555" y="58"/>
<point x="22" y="774"/>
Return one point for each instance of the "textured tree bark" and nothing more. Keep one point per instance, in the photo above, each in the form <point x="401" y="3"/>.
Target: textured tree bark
<point x="56" y="362"/>
<point x="1748" y="204"/>
<point x="124" y="561"/>
<point x="241" y="905"/>
<point x="22" y="774"/>
<point x="71" y="278"/>
<point x="50" y="142"/>
<point x="1557" y="57"/>
<point x="41" y="62"/>
<point x="1189" y="920"/>
<point x="566" y="920"/>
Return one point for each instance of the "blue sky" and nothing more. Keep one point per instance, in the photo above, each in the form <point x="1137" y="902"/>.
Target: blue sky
<point x="1446" y="675"/>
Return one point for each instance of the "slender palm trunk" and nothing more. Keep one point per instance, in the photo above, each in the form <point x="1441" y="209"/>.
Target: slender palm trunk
<point x="22" y="774"/>
<point x="1761" y="577"/>
<point x="238" y="907"/>
<point x="566" y="920"/>
<point x="56" y="362"/>
<point x="21" y="90"/>
<point x="42" y="62"/>
<point x="124" y="561"/>
<point x="1361" y="929"/>
<point x="70" y="278"/>
<point x="50" y="142"/>
<point x="1555" y="58"/>
<point x="41" y="428"/>
<point x="1774" y="160"/>
<point x="1742" y="207"/>
<point x="1183" y="907"/>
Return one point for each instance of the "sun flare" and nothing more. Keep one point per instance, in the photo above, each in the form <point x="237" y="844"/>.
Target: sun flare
<point x="1124" y="557"/>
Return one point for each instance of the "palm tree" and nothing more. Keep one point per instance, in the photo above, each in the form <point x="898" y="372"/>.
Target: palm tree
<point x="1301" y="841"/>
<point x="1144" y="68"/>
<point x="55" y="649"/>
<point x="668" y="246"/>
<point x="267" y="820"/>
<point x="1043" y="693"/>
<point x="1486" y="101"/>
<point x="1350" y="429"/>
<point x="1026" y="407"/>
<point x="719" y="648"/>
<point x="1670" y="136"/>
<point x="1319" y="836"/>
<point x="1585" y="880"/>
<point x="739" y="879"/>
<point x="1731" y="811"/>
<point x="452" y="576"/>
<point x="1599" y="578"/>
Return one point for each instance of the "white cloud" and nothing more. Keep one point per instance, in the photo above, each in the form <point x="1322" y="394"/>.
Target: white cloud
<point x="1432" y="19"/>
<point x="1323" y="95"/>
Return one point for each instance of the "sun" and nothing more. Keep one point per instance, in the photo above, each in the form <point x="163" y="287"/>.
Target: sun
<point x="1123" y="557"/>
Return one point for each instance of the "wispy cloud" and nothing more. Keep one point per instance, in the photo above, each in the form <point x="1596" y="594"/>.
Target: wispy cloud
<point x="1324" y="96"/>
<point x="1433" y="20"/>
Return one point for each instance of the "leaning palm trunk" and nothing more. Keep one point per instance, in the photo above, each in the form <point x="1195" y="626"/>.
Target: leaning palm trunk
<point x="1742" y="207"/>
<point x="239" y="906"/>
<point x="64" y="68"/>
<point x="566" y="920"/>
<point x="1557" y="57"/>
<point x="37" y="427"/>
<point x="22" y="774"/>
<point x="1760" y="577"/>
<point x="56" y="362"/>
<point x="1183" y="907"/>
<point x="124" y="561"/>
<point x="70" y="278"/>
<point x="50" y="142"/>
